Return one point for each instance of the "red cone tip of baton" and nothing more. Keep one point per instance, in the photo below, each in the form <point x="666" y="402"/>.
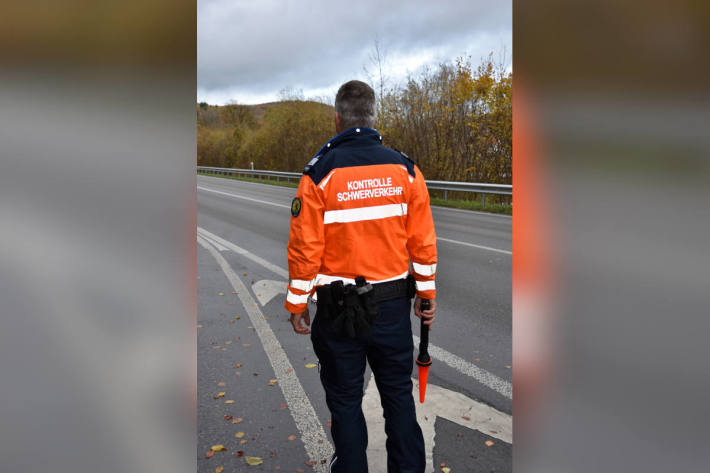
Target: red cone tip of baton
<point x="423" y="375"/>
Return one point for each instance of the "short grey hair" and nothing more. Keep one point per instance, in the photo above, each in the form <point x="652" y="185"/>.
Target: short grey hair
<point x="355" y="105"/>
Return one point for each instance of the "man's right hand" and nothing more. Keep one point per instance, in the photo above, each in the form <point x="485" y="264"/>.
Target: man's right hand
<point x="427" y="314"/>
<point x="296" y="319"/>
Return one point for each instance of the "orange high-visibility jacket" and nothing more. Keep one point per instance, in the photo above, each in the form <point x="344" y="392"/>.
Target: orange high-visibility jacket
<point x="361" y="209"/>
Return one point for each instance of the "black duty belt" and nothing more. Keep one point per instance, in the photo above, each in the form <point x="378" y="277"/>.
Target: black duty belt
<point x="352" y="308"/>
<point x="385" y="291"/>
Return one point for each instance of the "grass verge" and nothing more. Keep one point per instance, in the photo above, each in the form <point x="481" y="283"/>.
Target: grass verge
<point x="457" y="204"/>
<point x="506" y="209"/>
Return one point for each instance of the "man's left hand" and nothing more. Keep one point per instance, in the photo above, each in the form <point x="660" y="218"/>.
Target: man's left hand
<point x="297" y="319"/>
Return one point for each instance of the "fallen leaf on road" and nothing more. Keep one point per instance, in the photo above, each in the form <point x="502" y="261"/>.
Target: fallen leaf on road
<point x="253" y="461"/>
<point x="239" y="435"/>
<point x="256" y="374"/>
<point x="243" y="441"/>
<point x="489" y="443"/>
<point x="219" y="395"/>
<point x="465" y="418"/>
<point x="238" y="373"/>
<point x="209" y="454"/>
<point x="299" y="470"/>
<point x="227" y="417"/>
<point x="219" y="469"/>
<point x="289" y="370"/>
<point x="245" y="274"/>
<point x="237" y="317"/>
<point x="446" y="469"/>
<point x="238" y="365"/>
<point x="227" y="342"/>
<point x="272" y="382"/>
<point x="230" y="401"/>
<point x="199" y="325"/>
<point x="442" y="464"/>
<point x="235" y="292"/>
<point x="240" y="453"/>
<point x="310" y="463"/>
<point x="283" y="405"/>
<point x="220" y="384"/>
<point x="292" y="437"/>
<point x="237" y="420"/>
<point x="507" y="366"/>
<point x="218" y="448"/>
<point x="310" y="365"/>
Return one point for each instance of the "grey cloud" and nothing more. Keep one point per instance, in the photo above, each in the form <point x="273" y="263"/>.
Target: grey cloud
<point x="260" y="47"/>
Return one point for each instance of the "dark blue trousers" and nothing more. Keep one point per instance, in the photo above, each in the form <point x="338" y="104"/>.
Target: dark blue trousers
<point x="389" y="350"/>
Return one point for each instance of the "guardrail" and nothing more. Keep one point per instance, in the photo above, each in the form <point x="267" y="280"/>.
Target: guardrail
<point x="446" y="186"/>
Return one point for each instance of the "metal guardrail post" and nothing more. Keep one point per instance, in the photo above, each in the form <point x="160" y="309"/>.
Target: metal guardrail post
<point x="446" y="194"/>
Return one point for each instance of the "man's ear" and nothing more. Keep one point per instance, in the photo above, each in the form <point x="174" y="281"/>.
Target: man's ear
<point x="338" y="123"/>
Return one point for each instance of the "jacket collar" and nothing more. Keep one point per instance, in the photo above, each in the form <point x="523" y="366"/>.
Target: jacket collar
<point x="361" y="133"/>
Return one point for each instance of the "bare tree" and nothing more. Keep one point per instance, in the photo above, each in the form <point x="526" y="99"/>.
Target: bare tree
<point x="378" y="61"/>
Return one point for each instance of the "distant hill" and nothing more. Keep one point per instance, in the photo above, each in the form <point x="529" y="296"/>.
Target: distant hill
<point x="258" y="110"/>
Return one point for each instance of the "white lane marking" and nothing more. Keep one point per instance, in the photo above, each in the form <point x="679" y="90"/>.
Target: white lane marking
<point x="475" y="246"/>
<point x="479" y="374"/>
<point x="267" y="289"/>
<point x="215" y="243"/>
<point x="317" y="445"/>
<point x="456" y="362"/>
<point x="244" y="197"/>
<point x="440" y="402"/>
<point x="241" y="251"/>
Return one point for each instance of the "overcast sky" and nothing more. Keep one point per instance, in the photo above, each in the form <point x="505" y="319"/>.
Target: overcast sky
<point x="247" y="51"/>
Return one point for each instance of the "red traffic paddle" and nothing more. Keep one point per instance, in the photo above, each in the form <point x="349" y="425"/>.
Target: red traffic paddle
<point x="423" y="360"/>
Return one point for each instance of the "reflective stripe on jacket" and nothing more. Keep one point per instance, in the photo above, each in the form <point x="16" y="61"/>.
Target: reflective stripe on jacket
<point x="360" y="209"/>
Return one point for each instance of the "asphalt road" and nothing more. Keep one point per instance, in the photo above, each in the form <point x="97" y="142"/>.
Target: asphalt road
<point x="472" y="331"/>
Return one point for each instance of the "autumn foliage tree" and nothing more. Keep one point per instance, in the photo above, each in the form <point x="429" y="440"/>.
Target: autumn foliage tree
<point x="455" y="121"/>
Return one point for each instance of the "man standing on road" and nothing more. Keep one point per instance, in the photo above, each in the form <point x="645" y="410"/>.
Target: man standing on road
<point x="362" y="239"/>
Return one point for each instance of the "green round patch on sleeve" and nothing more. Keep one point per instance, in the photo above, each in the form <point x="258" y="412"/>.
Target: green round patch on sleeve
<point x="296" y="207"/>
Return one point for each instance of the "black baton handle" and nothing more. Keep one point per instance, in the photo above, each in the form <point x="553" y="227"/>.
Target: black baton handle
<point x="424" y="358"/>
